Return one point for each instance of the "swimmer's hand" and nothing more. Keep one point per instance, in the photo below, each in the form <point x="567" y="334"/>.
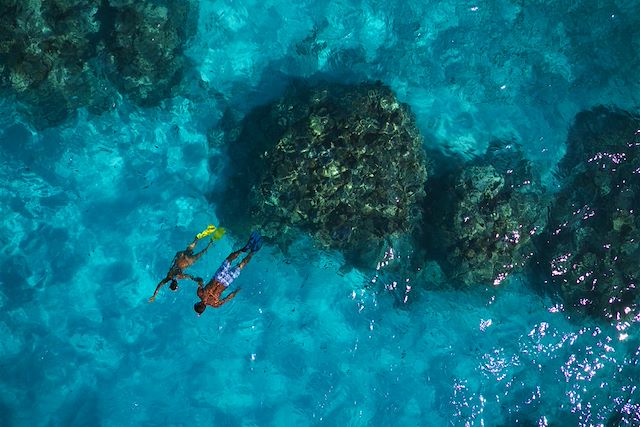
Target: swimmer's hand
<point x="152" y="299"/>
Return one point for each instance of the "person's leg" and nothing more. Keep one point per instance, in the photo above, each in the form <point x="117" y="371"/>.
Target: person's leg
<point x="245" y="261"/>
<point x="233" y="273"/>
<point x="254" y="242"/>
<point x="233" y="255"/>
<point x="222" y="269"/>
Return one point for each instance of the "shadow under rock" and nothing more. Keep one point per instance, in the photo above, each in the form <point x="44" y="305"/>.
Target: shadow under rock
<point x="345" y="66"/>
<point x="257" y="134"/>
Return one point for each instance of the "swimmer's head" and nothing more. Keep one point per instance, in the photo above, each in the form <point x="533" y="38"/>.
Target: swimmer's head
<point x="199" y="307"/>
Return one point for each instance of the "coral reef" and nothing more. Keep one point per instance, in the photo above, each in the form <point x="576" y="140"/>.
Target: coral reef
<point x="44" y="51"/>
<point x="343" y="163"/>
<point x="55" y="54"/>
<point x="480" y="217"/>
<point x="146" y="44"/>
<point x="593" y="252"/>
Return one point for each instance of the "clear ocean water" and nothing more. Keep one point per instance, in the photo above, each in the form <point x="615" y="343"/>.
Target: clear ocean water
<point x="94" y="208"/>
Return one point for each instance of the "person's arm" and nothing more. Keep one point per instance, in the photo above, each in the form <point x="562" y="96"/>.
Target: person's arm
<point x="198" y="280"/>
<point x="199" y="254"/>
<point x="160" y="285"/>
<point x="228" y="297"/>
<point x="193" y="244"/>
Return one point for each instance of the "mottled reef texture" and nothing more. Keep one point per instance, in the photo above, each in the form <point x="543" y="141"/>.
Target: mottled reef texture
<point x="343" y="163"/>
<point x="146" y="43"/>
<point x="60" y="55"/>
<point x="480" y="217"/>
<point x="594" y="234"/>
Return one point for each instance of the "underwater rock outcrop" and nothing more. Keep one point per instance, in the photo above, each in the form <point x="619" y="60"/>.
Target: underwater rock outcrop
<point x="594" y="233"/>
<point x="55" y="55"/>
<point x="44" y="52"/>
<point x="480" y="217"/>
<point x="343" y="163"/>
<point x="146" y="44"/>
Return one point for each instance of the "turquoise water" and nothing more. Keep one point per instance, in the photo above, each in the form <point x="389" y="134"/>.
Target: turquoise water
<point x="94" y="208"/>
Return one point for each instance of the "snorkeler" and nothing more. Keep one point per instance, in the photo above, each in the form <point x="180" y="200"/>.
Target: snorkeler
<point x="212" y="293"/>
<point x="185" y="259"/>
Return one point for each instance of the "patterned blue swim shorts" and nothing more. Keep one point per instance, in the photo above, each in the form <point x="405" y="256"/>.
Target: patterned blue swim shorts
<point x="225" y="274"/>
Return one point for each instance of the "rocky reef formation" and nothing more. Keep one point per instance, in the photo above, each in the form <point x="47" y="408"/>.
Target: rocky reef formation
<point x="480" y="217"/>
<point x="60" y="55"/>
<point x="45" y="48"/>
<point x="146" y="44"/>
<point x="343" y="163"/>
<point x="594" y="233"/>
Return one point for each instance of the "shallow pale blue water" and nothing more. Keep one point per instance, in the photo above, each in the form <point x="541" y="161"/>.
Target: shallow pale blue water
<point x="93" y="211"/>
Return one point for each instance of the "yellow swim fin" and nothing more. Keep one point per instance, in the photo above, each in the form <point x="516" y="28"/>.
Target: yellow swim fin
<point x="210" y="230"/>
<point x="217" y="235"/>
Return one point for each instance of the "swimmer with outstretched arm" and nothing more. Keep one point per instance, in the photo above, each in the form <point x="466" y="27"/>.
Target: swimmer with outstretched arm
<point x="211" y="294"/>
<point x="184" y="259"/>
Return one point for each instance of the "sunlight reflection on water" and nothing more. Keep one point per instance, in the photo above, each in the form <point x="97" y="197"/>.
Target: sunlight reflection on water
<point x="522" y="377"/>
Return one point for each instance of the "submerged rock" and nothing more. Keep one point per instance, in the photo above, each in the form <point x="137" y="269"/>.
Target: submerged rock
<point x="146" y="44"/>
<point x="594" y="234"/>
<point x="55" y="55"/>
<point x="342" y="163"/>
<point x="44" y="52"/>
<point x="480" y="217"/>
